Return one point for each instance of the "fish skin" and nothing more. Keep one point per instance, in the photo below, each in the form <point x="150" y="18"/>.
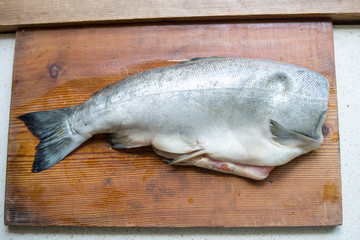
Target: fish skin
<point x="229" y="110"/>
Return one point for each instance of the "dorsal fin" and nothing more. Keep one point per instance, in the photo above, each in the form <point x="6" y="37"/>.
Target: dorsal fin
<point x="198" y="59"/>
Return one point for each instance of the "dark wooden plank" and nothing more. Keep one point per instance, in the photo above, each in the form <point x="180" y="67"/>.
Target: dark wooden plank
<point x="21" y="13"/>
<point x="98" y="186"/>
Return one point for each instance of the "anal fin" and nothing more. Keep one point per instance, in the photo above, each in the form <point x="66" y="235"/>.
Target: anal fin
<point x="121" y="141"/>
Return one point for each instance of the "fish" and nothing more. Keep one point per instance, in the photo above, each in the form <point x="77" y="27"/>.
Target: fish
<point x="239" y="116"/>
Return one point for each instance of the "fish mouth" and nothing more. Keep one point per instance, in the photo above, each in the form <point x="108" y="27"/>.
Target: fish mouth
<point x="243" y="170"/>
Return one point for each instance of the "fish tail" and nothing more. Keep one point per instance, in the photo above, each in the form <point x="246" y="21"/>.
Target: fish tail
<point x="56" y="138"/>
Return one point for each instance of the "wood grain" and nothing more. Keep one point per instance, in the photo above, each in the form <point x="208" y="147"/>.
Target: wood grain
<point x="20" y="13"/>
<point x="99" y="186"/>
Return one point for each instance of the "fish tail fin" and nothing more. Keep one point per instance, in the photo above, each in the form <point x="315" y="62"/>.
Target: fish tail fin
<point x="56" y="138"/>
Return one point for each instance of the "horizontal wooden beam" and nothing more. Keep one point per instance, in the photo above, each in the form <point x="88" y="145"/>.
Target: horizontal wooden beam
<point x="25" y="13"/>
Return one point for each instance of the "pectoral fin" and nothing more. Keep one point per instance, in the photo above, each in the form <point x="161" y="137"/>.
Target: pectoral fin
<point x="288" y="137"/>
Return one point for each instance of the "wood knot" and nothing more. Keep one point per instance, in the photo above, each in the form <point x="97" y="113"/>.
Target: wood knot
<point x="54" y="71"/>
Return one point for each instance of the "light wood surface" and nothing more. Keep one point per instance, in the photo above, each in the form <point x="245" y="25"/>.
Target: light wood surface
<point x="99" y="186"/>
<point x="20" y="13"/>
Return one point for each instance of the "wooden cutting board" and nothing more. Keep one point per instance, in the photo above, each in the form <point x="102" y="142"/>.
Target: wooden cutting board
<point x="99" y="186"/>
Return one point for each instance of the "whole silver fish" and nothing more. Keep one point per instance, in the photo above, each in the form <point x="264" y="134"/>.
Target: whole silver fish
<point x="233" y="115"/>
